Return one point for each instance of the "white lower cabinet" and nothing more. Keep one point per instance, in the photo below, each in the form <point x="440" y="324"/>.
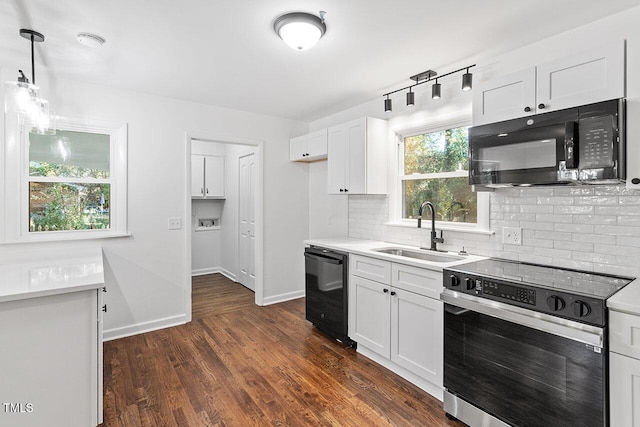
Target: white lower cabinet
<point x="51" y="360"/>
<point x="624" y="392"/>
<point x="396" y="321"/>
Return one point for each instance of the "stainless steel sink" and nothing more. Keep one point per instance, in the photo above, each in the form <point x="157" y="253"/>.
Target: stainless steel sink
<point x="424" y="255"/>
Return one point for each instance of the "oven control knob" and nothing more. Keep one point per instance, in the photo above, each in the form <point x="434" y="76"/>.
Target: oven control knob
<point x="555" y="303"/>
<point x="454" y="280"/>
<point x="581" y="308"/>
<point x="470" y="284"/>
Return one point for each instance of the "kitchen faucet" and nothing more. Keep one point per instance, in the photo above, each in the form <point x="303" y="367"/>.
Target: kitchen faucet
<point x="434" y="240"/>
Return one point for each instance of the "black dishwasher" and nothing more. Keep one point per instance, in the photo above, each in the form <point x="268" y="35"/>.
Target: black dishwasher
<point x="326" y="291"/>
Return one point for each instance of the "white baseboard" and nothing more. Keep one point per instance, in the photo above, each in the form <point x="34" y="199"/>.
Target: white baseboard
<point x="139" y="328"/>
<point x="283" y="297"/>
<point x="204" y="271"/>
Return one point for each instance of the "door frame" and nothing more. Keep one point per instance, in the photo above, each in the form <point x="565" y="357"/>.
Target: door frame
<point x="258" y="147"/>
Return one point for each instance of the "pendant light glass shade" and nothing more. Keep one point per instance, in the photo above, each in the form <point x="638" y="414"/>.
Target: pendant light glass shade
<point x="436" y="90"/>
<point x="300" y="31"/>
<point x="20" y="97"/>
<point x="411" y="98"/>
<point x="467" y="80"/>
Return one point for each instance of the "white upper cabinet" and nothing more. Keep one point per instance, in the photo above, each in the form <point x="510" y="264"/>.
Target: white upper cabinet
<point x="310" y="147"/>
<point x="505" y="97"/>
<point x="207" y="177"/>
<point x="592" y="76"/>
<point x="357" y="157"/>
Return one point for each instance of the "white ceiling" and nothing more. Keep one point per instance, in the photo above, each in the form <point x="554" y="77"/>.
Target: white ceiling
<point x="225" y="53"/>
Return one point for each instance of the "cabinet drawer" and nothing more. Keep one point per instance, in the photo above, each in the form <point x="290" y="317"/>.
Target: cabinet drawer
<point x="418" y="280"/>
<point x="624" y="334"/>
<point x="370" y="268"/>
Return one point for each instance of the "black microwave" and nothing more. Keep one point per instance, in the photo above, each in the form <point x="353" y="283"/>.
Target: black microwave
<point x="580" y="145"/>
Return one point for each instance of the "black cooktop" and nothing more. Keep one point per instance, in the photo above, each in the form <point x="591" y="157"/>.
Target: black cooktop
<point x="595" y="285"/>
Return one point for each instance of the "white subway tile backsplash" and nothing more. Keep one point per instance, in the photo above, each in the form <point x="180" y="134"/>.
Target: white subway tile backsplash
<point x="589" y="228"/>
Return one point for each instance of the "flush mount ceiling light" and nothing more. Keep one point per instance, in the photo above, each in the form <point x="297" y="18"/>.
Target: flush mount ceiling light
<point x="300" y="30"/>
<point x="23" y="97"/>
<point x="436" y="89"/>
<point x="90" y="40"/>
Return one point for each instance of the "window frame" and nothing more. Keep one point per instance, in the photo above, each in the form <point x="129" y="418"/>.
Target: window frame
<point x="17" y="225"/>
<point x="482" y="225"/>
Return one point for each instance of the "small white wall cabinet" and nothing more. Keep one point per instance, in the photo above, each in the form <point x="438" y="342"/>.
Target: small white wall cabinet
<point x="358" y="157"/>
<point x="624" y="369"/>
<point x="310" y="147"/>
<point x="207" y="177"/>
<point x="51" y="360"/>
<point x="592" y="76"/>
<point x="396" y="318"/>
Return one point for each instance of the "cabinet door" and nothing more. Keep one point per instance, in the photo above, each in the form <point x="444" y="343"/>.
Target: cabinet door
<point x="197" y="175"/>
<point x="416" y="334"/>
<point x="592" y="76"/>
<point x="214" y="177"/>
<point x="338" y="157"/>
<point x="505" y="97"/>
<point x="624" y="391"/>
<point x="369" y="314"/>
<point x="317" y="145"/>
<point x="356" y="174"/>
<point x="298" y="148"/>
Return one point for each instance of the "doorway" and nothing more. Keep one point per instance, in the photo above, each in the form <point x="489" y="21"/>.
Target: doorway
<point x="237" y="214"/>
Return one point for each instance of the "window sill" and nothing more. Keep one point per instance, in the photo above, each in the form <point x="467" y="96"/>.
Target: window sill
<point x="472" y="229"/>
<point x="66" y="236"/>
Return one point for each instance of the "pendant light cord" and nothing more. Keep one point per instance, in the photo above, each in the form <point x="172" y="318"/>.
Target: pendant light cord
<point x="33" y="67"/>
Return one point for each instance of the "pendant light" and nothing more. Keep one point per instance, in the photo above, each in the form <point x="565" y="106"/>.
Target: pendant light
<point x="387" y="105"/>
<point x="300" y="30"/>
<point x="23" y="97"/>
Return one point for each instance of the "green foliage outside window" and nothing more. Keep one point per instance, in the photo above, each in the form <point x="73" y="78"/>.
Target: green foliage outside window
<point x="443" y="157"/>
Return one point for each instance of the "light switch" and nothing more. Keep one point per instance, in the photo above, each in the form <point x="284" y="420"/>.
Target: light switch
<point x="175" y="223"/>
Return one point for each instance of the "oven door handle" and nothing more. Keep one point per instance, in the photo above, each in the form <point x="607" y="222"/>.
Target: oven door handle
<point x="575" y="331"/>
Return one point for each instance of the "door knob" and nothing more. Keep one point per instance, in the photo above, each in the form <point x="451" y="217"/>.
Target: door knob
<point x="527" y="109"/>
<point x="541" y="106"/>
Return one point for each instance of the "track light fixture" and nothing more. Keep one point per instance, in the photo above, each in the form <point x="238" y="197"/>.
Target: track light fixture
<point x="411" y="98"/>
<point x="387" y="104"/>
<point x="436" y="89"/>
<point x="467" y="80"/>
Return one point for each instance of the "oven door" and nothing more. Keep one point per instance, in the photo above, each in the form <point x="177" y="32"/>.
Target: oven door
<point x="521" y="374"/>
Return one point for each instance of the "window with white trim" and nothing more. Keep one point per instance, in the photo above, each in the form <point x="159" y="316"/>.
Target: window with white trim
<point x="433" y="166"/>
<point x="72" y="185"/>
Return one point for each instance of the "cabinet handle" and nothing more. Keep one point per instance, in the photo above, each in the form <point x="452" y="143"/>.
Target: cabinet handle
<point x="541" y="106"/>
<point x="202" y="191"/>
<point x="385" y="290"/>
<point x="104" y="289"/>
<point x="393" y="293"/>
<point x="307" y="154"/>
<point x="104" y="308"/>
<point x="207" y="191"/>
<point x="341" y="190"/>
<point x="346" y="190"/>
<point x="527" y="109"/>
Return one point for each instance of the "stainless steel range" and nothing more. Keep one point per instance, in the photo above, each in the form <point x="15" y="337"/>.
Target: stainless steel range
<point x="526" y="345"/>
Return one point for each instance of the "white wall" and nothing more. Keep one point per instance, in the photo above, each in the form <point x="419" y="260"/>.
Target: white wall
<point x="146" y="272"/>
<point x="591" y="228"/>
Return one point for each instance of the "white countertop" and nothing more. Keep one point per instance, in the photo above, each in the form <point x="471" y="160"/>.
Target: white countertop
<point x="365" y="247"/>
<point x="52" y="275"/>
<point x="627" y="299"/>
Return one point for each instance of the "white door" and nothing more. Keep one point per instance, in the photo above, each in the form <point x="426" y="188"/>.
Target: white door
<point x="505" y="97"/>
<point x="338" y="158"/>
<point x="247" y="190"/>
<point x="369" y="314"/>
<point x="197" y="175"/>
<point x="214" y="176"/>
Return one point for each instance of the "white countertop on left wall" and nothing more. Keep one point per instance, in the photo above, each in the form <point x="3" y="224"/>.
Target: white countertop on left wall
<point x="51" y="275"/>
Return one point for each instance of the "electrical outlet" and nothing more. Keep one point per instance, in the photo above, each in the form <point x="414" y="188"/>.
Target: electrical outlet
<point x="512" y="235"/>
<point x="175" y="223"/>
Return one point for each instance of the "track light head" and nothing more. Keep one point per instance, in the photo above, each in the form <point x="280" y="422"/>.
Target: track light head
<point x="387" y="105"/>
<point x="411" y="98"/>
<point x="467" y="80"/>
<point x="436" y="90"/>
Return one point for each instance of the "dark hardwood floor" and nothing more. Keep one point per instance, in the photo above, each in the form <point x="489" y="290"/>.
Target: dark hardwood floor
<point x="237" y="364"/>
